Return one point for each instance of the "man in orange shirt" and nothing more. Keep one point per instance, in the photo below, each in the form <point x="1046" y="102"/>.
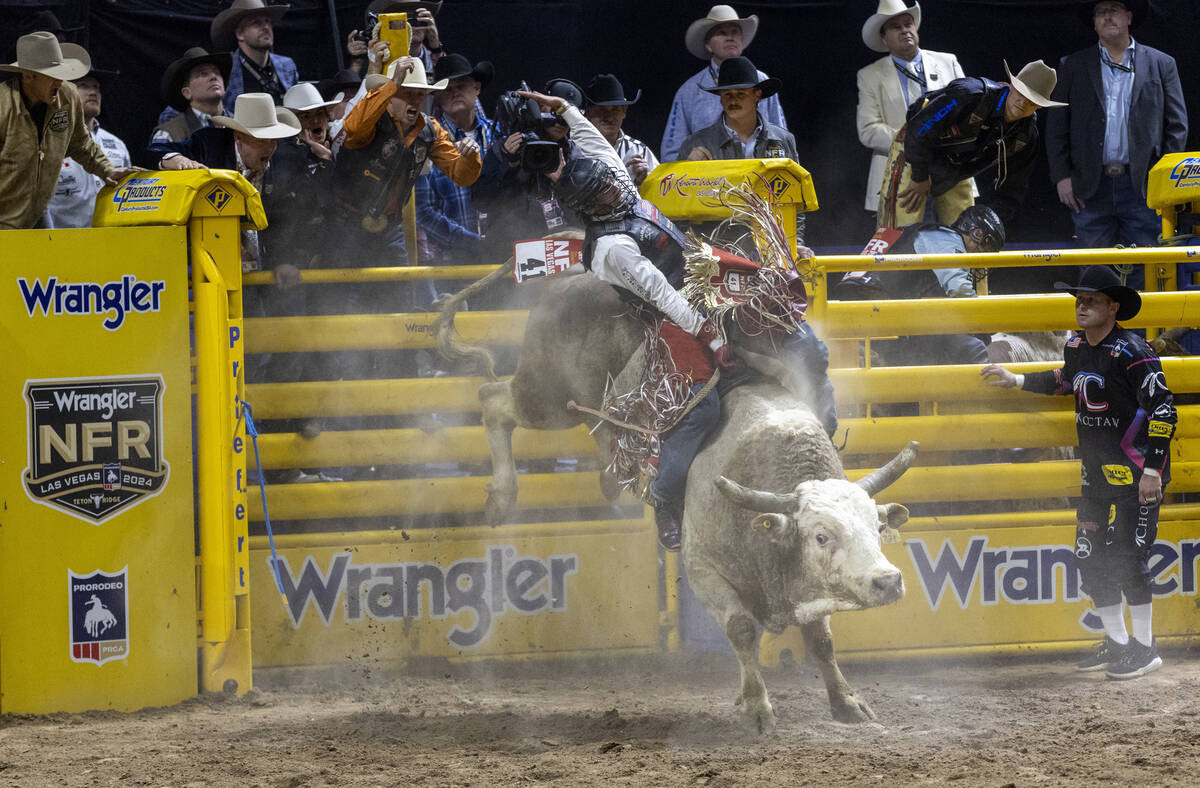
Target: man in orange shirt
<point x="387" y="142"/>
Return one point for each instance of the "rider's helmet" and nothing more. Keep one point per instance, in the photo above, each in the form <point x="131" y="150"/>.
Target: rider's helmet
<point x="982" y="224"/>
<point x="592" y="187"/>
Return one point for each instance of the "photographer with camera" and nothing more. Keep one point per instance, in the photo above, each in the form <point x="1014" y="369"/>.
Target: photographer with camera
<point x="514" y="191"/>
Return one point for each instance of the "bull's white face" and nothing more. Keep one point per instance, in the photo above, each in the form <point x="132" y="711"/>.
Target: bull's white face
<point x="834" y="534"/>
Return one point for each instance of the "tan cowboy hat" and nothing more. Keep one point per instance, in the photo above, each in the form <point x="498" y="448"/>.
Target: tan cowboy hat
<point x="304" y="96"/>
<point x="413" y="79"/>
<point x="1035" y="82"/>
<point x="888" y="9"/>
<point x="224" y="25"/>
<point x="697" y="32"/>
<point x="256" y="114"/>
<point x="41" y="53"/>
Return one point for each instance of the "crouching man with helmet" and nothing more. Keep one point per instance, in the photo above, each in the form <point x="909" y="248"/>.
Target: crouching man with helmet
<point x="977" y="229"/>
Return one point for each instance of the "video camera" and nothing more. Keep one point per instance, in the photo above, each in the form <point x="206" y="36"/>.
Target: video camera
<point x="517" y="114"/>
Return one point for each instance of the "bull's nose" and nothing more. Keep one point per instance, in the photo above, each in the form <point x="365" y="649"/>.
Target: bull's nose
<point x="890" y="584"/>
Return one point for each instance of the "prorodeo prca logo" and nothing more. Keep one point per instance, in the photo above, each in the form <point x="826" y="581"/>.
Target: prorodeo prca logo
<point x="95" y="444"/>
<point x="99" y="615"/>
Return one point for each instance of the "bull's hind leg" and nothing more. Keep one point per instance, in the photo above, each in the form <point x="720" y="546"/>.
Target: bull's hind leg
<point x="499" y="419"/>
<point x="845" y="705"/>
<point x="742" y="630"/>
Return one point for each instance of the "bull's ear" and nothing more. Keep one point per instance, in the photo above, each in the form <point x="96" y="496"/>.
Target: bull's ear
<point x="779" y="526"/>
<point x="891" y="517"/>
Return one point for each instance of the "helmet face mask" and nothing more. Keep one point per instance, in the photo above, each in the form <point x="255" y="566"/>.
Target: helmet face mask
<point x="591" y="187"/>
<point x="981" y="224"/>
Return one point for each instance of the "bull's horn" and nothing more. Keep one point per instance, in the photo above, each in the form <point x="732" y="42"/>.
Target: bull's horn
<point x="757" y="500"/>
<point x="881" y="479"/>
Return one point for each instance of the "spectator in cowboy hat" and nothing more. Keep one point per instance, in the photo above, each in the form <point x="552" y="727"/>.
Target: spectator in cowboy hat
<point x="741" y="132"/>
<point x="887" y="87"/>
<point x="606" y="106"/>
<point x="963" y="130"/>
<point x="447" y="213"/>
<point x="346" y="83"/>
<point x="244" y="142"/>
<point x="309" y="107"/>
<point x="715" y="38"/>
<point x="74" y="199"/>
<point x="193" y="86"/>
<point x="41" y="123"/>
<point x="247" y="28"/>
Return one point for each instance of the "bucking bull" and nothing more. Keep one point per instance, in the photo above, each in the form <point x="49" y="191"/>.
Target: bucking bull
<point x="774" y="535"/>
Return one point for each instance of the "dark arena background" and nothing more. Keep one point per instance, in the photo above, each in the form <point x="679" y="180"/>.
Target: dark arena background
<point x="814" y="47"/>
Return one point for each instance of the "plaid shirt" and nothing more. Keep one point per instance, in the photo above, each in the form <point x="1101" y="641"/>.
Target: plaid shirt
<point x="446" y="215"/>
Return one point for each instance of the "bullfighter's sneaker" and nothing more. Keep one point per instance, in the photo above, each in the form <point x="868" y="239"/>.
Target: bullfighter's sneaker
<point x="1138" y="661"/>
<point x="1109" y="653"/>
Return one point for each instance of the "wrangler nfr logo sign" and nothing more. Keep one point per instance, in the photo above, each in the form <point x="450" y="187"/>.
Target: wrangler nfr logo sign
<point x="95" y="444"/>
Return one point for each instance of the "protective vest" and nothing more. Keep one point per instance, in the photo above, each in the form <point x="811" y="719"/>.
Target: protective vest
<point x="657" y="238"/>
<point x="364" y="179"/>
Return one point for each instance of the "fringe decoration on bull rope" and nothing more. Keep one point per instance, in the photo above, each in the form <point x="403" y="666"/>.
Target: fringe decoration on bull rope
<point x="765" y="297"/>
<point x="660" y="401"/>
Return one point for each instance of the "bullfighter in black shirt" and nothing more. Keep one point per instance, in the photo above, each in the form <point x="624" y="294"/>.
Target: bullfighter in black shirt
<point x="1124" y="417"/>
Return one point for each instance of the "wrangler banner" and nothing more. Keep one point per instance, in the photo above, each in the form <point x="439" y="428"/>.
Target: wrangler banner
<point x="551" y="589"/>
<point x="97" y="567"/>
<point x="1003" y="589"/>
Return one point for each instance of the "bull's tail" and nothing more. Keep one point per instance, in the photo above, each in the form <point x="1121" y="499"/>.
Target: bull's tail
<point x="443" y="327"/>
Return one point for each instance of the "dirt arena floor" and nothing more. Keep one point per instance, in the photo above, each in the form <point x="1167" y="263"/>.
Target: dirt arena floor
<point x="637" y="721"/>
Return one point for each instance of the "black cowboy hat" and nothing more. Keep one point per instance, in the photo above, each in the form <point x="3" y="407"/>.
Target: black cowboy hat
<point x="178" y="72"/>
<point x="1087" y="10"/>
<point x="565" y="88"/>
<point x="453" y="66"/>
<point x="105" y="76"/>
<point x="1102" y="279"/>
<point x="46" y="20"/>
<point x="739" y="72"/>
<point x="345" y="81"/>
<point x="605" y="90"/>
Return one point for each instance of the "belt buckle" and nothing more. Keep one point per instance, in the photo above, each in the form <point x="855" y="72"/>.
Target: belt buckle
<point x="1114" y="170"/>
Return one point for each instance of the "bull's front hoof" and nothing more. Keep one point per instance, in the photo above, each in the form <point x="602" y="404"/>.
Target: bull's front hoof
<point x="759" y="717"/>
<point x="498" y="508"/>
<point x="852" y="710"/>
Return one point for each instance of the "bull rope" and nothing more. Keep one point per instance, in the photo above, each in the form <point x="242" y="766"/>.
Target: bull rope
<point x="693" y="402"/>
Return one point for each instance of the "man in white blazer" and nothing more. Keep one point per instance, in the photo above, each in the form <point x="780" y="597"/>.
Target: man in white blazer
<point x="889" y="85"/>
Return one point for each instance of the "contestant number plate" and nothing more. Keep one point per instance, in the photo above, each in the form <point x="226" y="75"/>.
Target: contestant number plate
<point x="545" y="257"/>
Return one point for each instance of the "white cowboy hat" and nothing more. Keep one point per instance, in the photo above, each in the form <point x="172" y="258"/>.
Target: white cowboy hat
<point x="304" y="96"/>
<point x="413" y="79"/>
<point x="697" y="32"/>
<point x="41" y="53"/>
<point x="1035" y="82"/>
<point x="224" y="25"/>
<point x="256" y="114"/>
<point x="888" y="9"/>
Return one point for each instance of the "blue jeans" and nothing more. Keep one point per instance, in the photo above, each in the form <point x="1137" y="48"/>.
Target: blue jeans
<point x="1115" y="214"/>
<point x="680" y="446"/>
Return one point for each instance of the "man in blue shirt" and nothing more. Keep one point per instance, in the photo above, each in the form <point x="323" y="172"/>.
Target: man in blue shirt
<point x="247" y="28"/>
<point x="715" y="38"/>
<point x="447" y="214"/>
<point x="1126" y="111"/>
